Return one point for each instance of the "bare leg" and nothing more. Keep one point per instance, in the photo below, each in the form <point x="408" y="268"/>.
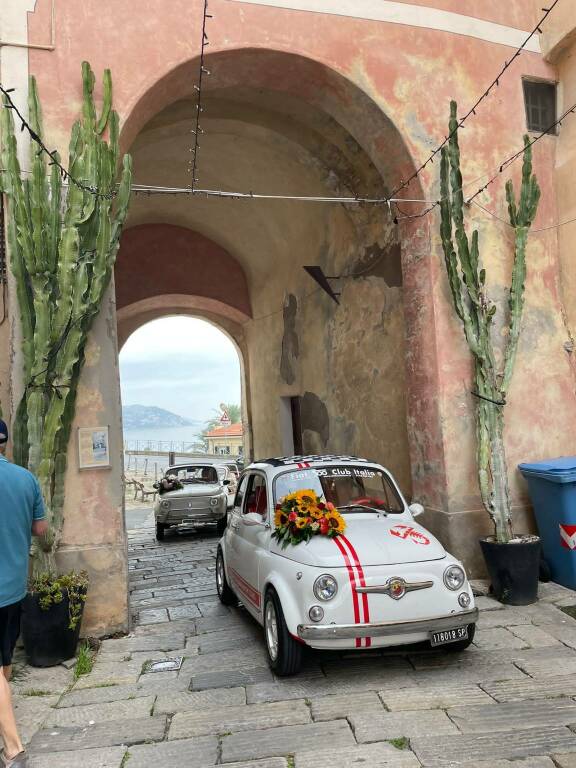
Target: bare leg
<point x="8" y="730"/>
<point x="7" y="672"/>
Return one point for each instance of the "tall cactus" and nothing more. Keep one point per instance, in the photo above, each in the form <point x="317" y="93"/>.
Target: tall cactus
<point x="63" y="244"/>
<point x="467" y="281"/>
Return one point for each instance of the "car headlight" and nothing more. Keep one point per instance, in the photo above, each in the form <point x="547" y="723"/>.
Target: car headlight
<point x="214" y="501"/>
<point x="454" y="577"/>
<point x="165" y="505"/>
<point x="325" y="587"/>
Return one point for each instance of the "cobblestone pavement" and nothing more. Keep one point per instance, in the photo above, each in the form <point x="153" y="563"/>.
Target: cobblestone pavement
<point x="507" y="702"/>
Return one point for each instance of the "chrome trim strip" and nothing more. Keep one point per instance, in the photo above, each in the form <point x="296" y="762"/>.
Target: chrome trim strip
<point x="384" y="589"/>
<point x="386" y="629"/>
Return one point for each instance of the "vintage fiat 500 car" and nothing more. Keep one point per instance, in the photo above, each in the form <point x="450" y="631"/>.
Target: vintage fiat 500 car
<point x="202" y="497"/>
<point x="384" y="581"/>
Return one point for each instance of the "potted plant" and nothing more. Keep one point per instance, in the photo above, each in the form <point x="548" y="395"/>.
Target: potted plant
<point x="51" y="617"/>
<point x="512" y="560"/>
<point x="64" y="227"/>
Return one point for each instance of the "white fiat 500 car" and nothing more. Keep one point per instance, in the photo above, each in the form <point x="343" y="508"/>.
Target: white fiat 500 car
<point x="385" y="581"/>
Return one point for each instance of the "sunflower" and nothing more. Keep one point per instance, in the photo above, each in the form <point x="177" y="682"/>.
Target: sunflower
<point x="280" y="518"/>
<point x="300" y="523"/>
<point x="316" y="513"/>
<point x="336" y="522"/>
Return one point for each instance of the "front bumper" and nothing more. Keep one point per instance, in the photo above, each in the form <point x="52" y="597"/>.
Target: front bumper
<point x="322" y="632"/>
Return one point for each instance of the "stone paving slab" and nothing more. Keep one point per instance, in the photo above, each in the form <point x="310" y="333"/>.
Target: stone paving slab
<point x="227" y="660"/>
<point x="163" y="641"/>
<point x="230" y="678"/>
<point x="505" y="717"/>
<point x="382" y="755"/>
<point x="31" y="713"/>
<point x="110" y="757"/>
<point x="192" y="701"/>
<point x="435" y="697"/>
<point x="536" y="637"/>
<point x="100" y="713"/>
<point x="192" y="753"/>
<point x="548" y="667"/>
<point x="273" y="742"/>
<point x="445" y="752"/>
<point x="528" y="688"/>
<point x="527" y="762"/>
<point x="337" y="707"/>
<point x="271" y="762"/>
<point x="48" y="679"/>
<point x="99" y="735"/>
<point x="184" y="612"/>
<point x="243" y="718"/>
<point x="565" y="761"/>
<point x="499" y="637"/>
<point x="395" y="725"/>
<point x="104" y="695"/>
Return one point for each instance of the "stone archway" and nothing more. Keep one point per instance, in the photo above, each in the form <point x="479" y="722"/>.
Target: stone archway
<point x="278" y="122"/>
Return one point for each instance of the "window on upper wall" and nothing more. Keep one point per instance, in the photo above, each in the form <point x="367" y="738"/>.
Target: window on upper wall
<point x="540" y="102"/>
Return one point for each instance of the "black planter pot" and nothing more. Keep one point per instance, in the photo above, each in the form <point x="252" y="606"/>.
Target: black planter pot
<point x="513" y="570"/>
<point x="48" y="639"/>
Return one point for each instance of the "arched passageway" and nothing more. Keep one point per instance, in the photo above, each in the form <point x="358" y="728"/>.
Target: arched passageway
<point x="287" y="125"/>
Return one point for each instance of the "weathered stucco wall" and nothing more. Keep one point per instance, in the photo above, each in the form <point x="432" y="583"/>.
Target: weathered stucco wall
<point x="328" y="104"/>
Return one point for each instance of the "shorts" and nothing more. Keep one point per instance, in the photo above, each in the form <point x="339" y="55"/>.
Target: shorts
<point x="9" y="631"/>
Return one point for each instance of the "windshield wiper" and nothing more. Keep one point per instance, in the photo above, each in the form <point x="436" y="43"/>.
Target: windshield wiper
<point x="363" y="506"/>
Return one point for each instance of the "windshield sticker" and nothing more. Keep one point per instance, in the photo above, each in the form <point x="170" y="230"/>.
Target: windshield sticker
<point x="408" y="533"/>
<point x="332" y="472"/>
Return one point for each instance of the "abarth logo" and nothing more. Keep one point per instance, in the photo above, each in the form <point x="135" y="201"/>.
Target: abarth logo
<point x="568" y="536"/>
<point x="408" y="533"/>
<point x="396" y="588"/>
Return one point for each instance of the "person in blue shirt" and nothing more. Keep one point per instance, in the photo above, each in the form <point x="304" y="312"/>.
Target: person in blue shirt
<point x="21" y="516"/>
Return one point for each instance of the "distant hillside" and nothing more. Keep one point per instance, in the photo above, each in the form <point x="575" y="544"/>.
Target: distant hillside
<point x="143" y="416"/>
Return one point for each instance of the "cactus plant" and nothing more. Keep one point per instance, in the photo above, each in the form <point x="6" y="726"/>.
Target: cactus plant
<point x="467" y="280"/>
<point x="63" y="244"/>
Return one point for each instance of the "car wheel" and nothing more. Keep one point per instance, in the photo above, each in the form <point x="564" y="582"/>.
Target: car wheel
<point x="221" y="524"/>
<point x="284" y="653"/>
<point x="227" y="597"/>
<point x="461" y="645"/>
<point x="160" y="529"/>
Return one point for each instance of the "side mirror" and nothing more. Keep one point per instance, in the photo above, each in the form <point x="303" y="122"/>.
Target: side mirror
<point x="416" y="509"/>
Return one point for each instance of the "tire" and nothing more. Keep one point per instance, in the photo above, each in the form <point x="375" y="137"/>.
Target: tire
<point x="284" y="653"/>
<point x="225" y="594"/>
<point x="221" y="524"/>
<point x="160" y="529"/>
<point x="461" y="645"/>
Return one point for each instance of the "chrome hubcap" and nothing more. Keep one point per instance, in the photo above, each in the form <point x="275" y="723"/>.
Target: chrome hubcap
<point x="271" y="624"/>
<point x="219" y="575"/>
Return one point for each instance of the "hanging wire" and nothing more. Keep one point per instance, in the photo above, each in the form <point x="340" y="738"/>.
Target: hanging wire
<point x="51" y="154"/>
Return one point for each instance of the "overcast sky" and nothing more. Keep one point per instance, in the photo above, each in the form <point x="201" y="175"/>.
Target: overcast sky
<point x="182" y="364"/>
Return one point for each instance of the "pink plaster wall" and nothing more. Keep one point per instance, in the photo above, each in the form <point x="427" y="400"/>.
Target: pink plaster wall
<point x="406" y="76"/>
<point x="159" y="259"/>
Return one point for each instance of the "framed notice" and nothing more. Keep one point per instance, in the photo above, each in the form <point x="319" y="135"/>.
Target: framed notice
<point x="93" y="448"/>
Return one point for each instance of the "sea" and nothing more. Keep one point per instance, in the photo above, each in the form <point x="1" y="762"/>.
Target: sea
<point x="157" y="439"/>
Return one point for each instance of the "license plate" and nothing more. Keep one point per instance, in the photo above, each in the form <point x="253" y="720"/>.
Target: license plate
<point x="448" y="636"/>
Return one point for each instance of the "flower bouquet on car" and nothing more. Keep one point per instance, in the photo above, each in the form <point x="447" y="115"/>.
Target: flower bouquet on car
<point x="301" y="515"/>
<point x="167" y="484"/>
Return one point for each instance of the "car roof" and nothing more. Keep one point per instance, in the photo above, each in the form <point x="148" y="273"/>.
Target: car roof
<point x="306" y="462"/>
<point x="197" y="464"/>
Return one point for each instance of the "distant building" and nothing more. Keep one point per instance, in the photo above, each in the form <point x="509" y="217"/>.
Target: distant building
<point x="226" y="441"/>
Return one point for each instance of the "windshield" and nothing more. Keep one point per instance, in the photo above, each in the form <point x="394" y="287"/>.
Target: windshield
<point x="351" y="489"/>
<point x="196" y="474"/>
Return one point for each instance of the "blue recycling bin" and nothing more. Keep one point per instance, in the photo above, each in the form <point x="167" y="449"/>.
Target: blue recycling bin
<point x="552" y="486"/>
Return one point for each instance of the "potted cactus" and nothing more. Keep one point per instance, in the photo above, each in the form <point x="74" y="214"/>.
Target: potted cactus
<point x="63" y="232"/>
<point x="512" y="560"/>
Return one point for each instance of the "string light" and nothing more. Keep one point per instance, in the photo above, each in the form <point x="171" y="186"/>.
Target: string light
<point x="570" y="111"/>
<point x="51" y="154"/>
<point x="472" y="111"/>
<point x="198" y="88"/>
